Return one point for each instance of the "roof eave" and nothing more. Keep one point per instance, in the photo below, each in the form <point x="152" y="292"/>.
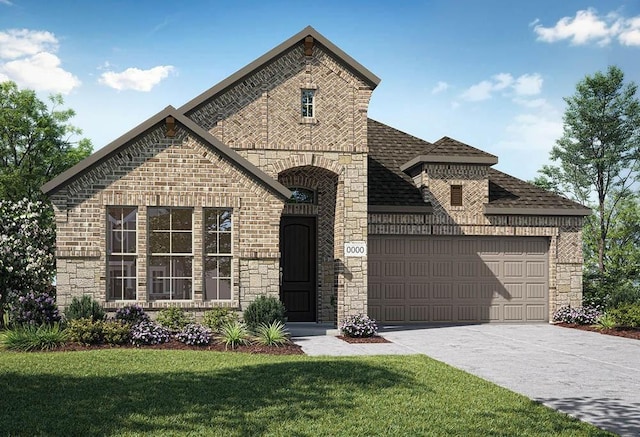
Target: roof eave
<point x="103" y="154"/>
<point x="351" y="63"/>
<point x="515" y="210"/>
<point x="449" y="159"/>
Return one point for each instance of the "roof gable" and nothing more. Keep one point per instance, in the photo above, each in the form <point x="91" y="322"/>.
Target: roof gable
<point x="114" y="147"/>
<point x="274" y="53"/>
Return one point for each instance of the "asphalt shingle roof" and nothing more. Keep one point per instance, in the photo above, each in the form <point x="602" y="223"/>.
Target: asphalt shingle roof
<point x="390" y="148"/>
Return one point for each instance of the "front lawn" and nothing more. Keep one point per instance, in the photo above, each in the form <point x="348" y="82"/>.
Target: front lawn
<point x="136" y="392"/>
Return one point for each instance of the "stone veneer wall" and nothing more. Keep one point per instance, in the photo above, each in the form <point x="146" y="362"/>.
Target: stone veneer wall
<point x="156" y="171"/>
<point x="260" y="117"/>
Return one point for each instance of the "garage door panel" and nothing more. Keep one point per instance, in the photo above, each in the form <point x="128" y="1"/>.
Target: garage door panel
<point x="458" y="279"/>
<point x="393" y="291"/>
<point x="419" y="268"/>
<point x="419" y="291"/>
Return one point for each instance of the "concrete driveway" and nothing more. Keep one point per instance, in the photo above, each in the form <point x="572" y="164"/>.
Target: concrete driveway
<point x="591" y="376"/>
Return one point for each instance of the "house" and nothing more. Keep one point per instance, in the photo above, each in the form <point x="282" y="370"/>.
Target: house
<point x="276" y="182"/>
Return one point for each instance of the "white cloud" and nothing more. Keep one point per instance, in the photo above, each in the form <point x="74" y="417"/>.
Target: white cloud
<point x="6" y="2"/>
<point x="528" y="85"/>
<point x="589" y="27"/>
<point x="533" y="132"/>
<point x="440" y="87"/>
<point x="525" y="85"/>
<point x="530" y="103"/>
<point x="41" y="72"/>
<point x="16" y="43"/>
<point x="136" y="79"/>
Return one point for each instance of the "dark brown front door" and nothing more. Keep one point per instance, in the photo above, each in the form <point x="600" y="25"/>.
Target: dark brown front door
<point x="298" y="264"/>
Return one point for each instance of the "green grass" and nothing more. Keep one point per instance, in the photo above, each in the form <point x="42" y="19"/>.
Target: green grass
<point x="151" y="392"/>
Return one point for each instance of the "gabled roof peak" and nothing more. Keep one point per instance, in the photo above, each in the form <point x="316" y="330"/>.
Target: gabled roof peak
<point x="265" y="59"/>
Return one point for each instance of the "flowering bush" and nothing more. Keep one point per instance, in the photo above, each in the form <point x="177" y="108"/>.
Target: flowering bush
<point x="359" y="325"/>
<point x="27" y="241"/>
<point x="149" y="332"/>
<point x="194" y="335"/>
<point x="34" y="309"/>
<point x="577" y="315"/>
<point x="131" y="314"/>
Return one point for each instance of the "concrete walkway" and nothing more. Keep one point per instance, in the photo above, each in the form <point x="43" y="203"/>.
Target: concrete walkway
<point x="593" y="377"/>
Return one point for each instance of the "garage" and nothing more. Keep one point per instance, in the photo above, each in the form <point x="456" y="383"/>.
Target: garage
<point x="458" y="279"/>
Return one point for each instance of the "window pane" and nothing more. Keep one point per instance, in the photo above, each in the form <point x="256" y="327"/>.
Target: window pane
<point x="224" y="264"/>
<point x="181" y="219"/>
<point x="128" y="266"/>
<point x="225" y="220"/>
<point x="158" y="219"/>
<point x="130" y="289"/>
<point x="210" y="220"/>
<point x="211" y="267"/>
<point x="159" y="242"/>
<point x="211" y="243"/>
<point x="159" y="289"/>
<point x="181" y="242"/>
<point x="181" y="267"/>
<point x="159" y="266"/>
<point x="115" y="242"/>
<point x="181" y="289"/>
<point x="113" y="218"/>
<point x="129" y="217"/>
<point x="210" y="288"/>
<point x="301" y="195"/>
<point x="129" y="242"/>
<point x="225" y="243"/>
<point x="115" y="289"/>
<point x="224" y="291"/>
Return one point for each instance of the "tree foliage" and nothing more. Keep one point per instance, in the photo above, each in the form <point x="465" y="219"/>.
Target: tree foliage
<point x="599" y="152"/>
<point x="35" y="142"/>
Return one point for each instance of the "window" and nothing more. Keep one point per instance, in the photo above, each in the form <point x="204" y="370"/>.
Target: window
<point x="170" y="274"/>
<point x="456" y="195"/>
<point x="307" y="103"/>
<point x="302" y="195"/>
<point x="217" y="253"/>
<point x="122" y="250"/>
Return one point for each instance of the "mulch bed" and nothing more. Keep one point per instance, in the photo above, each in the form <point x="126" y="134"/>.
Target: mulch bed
<point x="618" y="332"/>
<point x="285" y="349"/>
<point x="374" y="339"/>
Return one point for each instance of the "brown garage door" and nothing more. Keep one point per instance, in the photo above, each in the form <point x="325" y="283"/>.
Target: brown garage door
<point x="458" y="279"/>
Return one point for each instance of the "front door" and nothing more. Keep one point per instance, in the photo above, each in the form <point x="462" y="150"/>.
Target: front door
<point x="298" y="267"/>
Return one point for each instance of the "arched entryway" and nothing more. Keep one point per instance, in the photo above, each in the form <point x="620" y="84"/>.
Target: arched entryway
<point x="307" y="230"/>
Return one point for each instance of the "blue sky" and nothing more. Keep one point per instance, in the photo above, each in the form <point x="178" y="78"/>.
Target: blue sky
<point x="492" y="74"/>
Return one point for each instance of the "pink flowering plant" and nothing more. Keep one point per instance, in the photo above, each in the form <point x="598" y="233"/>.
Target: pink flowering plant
<point x="27" y="243"/>
<point x="194" y="335"/>
<point x="578" y="315"/>
<point x="359" y="325"/>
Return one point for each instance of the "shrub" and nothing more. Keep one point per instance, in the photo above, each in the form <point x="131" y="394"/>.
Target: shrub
<point x="627" y="316"/>
<point x="148" y="332"/>
<point x="359" y="325"/>
<point x="234" y="334"/>
<point x="29" y="337"/>
<point x="131" y="314"/>
<point x="34" y="309"/>
<point x="85" y="331"/>
<point x="606" y="321"/>
<point x="194" y="335"/>
<point x="174" y="318"/>
<point x="115" y="332"/>
<point x="215" y="318"/>
<point x="577" y="315"/>
<point x="27" y="241"/>
<point x="84" y="308"/>
<point x="264" y="310"/>
<point x="274" y="334"/>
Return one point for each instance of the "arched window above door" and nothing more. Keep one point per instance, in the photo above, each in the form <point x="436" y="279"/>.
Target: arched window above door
<point x="302" y="195"/>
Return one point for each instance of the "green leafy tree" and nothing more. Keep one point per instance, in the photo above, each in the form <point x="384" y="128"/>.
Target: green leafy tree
<point x="36" y="142"/>
<point x="599" y="151"/>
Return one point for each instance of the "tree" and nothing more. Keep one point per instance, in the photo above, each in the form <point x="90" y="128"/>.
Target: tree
<point x="35" y="142"/>
<point x="599" y="151"/>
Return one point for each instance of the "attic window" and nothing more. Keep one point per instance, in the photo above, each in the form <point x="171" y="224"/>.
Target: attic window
<point x="456" y="195"/>
<point x="308" y="97"/>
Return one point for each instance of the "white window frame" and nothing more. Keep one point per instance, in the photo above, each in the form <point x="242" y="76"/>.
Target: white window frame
<point x="217" y="254"/>
<point x="121" y="264"/>
<point x="308" y="105"/>
<point x="171" y="256"/>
